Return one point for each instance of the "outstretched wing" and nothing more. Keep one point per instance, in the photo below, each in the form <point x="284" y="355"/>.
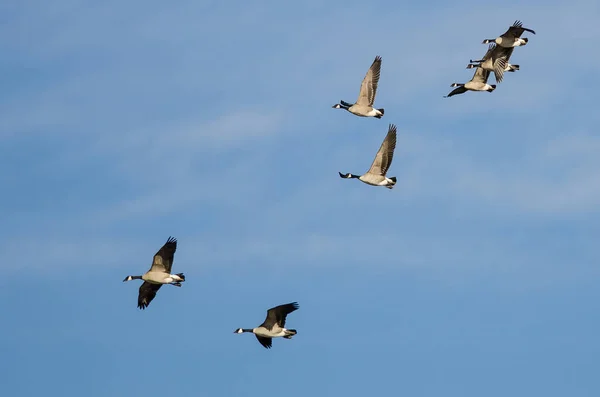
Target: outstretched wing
<point x="383" y="158"/>
<point x="481" y="75"/>
<point x="500" y="60"/>
<point x="266" y="342"/>
<point x="368" y="88"/>
<point x="163" y="259"/>
<point x="278" y="314"/>
<point x="456" y="91"/>
<point x="516" y="30"/>
<point x="147" y="293"/>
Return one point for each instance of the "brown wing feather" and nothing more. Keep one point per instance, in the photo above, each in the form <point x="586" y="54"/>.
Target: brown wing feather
<point x="500" y="60"/>
<point x="516" y="30"/>
<point x="383" y="158"/>
<point x="278" y="314"/>
<point x="368" y="87"/>
<point x="163" y="259"/>
<point x="481" y="75"/>
<point x="147" y="293"/>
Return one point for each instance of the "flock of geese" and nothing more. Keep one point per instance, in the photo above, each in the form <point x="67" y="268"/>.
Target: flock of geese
<point x="495" y="60"/>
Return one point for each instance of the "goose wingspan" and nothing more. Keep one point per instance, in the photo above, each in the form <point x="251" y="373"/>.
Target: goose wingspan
<point x="278" y="314"/>
<point x="147" y="293"/>
<point x="266" y="342"/>
<point x="163" y="259"/>
<point x="368" y="88"/>
<point x="383" y="158"/>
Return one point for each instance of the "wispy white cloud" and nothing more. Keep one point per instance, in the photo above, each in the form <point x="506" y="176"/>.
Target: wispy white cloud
<point x="174" y="125"/>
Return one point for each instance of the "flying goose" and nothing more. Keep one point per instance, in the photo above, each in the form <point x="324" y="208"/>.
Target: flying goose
<point x="495" y="60"/>
<point x="512" y="37"/>
<point x="159" y="274"/>
<point x="383" y="159"/>
<point x="477" y="83"/>
<point x="273" y="326"/>
<point x="368" y="89"/>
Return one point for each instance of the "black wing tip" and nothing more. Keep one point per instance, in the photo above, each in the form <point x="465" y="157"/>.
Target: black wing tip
<point x="289" y="307"/>
<point x="171" y="240"/>
<point x="377" y="59"/>
<point x="392" y="128"/>
<point x="519" y="24"/>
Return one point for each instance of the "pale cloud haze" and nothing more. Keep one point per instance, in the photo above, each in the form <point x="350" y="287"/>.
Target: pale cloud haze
<point x="124" y="123"/>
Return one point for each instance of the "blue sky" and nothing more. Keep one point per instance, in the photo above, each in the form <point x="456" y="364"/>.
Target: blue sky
<point x="124" y="123"/>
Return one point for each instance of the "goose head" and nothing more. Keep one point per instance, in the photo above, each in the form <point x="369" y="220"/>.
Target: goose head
<point x="348" y="175"/>
<point x="129" y="278"/>
<point x="340" y="106"/>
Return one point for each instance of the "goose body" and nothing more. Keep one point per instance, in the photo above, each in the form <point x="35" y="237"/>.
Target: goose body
<point x="273" y="326"/>
<point x="159" y="274"/>
<point x="366" y="97"/>
<point x="376" y="175"/>
<point x="495" y="60"/>
<point x="477" y="83"/>
<point x="512" y="37"/>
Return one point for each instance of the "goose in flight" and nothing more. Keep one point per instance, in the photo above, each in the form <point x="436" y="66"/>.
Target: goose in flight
<point x="512" y="37"/>
<point x="159" y="274"/>
<point x="477" y="83"/>
<point x="366" y="97"/>
<point x="273" y="326"/>
<point x="376" y="175"/>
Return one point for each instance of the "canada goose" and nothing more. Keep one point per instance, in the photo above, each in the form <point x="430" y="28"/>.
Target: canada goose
<point x="273" y="326"/>
<point x="512" y="37"/>
<point x="366" y="97"/>
<point x="159" y="274"/>
<point x="495" y="60"/>
<point x="477" y="83"/>
<point x="383" y="159"/>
